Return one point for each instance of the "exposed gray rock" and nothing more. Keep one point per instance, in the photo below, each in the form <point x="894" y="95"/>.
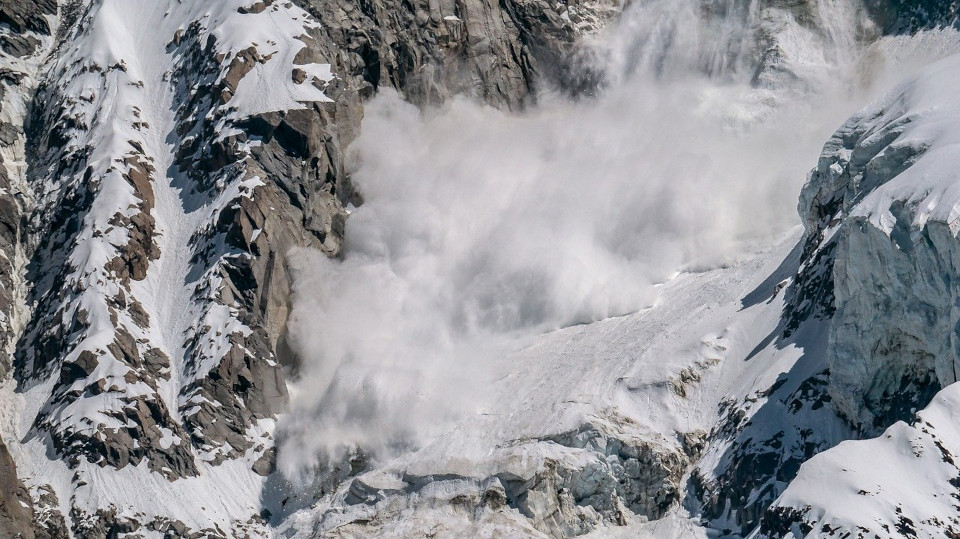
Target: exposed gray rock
<point x="429" y="52"/>
<point x="28" y="15"/>
<point x="16" y="507"/>
<point x="873" y="304"/>
<point x="906" y="16"/>
<point x="27" y="23"/>
<point x="300" y="156"/>
<point x="47" y="519"/>
<point x="496" y="51"/>
<point x="103" y="524"/>
<point x="266" y="464"/>
<point x="19" y="45"/>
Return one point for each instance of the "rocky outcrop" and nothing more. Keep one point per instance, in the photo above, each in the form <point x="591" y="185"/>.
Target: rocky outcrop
<point x="16" y="507"/>
<point x="144" y="237"/>
<point x="495" y="51"/>
<point x="90" y="236"/>
<point x="28" y="29"/>
<point x="872" y="303"/>
<point x="760" y="442"/>
<point x="907" y="16"/>
<point x="874" y="306"/>
<point x="28" y="16"/>
<point x="266" y="181"/>
<point x="23" y="39"/>
<point x="914" y="497"/>
<point x="798" y="42"/>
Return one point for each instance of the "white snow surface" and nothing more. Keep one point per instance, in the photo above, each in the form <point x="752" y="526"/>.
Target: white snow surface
<point x="903" y="480"/>
<point x="393" y="367"/>
<point x="929" y="108"/>
<point x="480" y="227"/>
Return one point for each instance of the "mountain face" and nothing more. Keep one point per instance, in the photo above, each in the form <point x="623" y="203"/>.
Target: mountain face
<point x="165" y="163"/>
<point x="161" y="160"/>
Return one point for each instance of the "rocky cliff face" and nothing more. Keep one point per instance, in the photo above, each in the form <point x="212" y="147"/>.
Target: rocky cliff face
<point x="904" y="17"/>
<point x="498" y="52"/>
<point x="871" y="300"/>
<point x="892" y="297"/>
<point x="16" y="507"/>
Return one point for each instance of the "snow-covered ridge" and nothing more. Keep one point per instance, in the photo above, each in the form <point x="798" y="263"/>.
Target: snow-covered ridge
<point x="840" y="491"/>
<point x="132" y="335"/>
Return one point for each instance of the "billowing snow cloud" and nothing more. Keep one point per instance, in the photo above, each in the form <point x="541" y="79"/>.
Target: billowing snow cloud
<point x="480" y="228"/>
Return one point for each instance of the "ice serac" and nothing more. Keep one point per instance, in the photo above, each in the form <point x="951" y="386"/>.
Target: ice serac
<point x="161" y="158"/>
<point x="883" y="201"/>
<point x="560" y="485"/>
<point x="778" y="397"/>
<point x="873" y="301"/>
<point x="16" y="507"/>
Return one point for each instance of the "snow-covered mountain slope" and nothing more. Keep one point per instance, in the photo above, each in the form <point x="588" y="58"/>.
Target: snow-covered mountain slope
<point x="887" y="183"/>
<point x="173" y="170"/>
<point x="568" y="452"/>
<point x="136" y="355"/>
<point x="902" y="483"/>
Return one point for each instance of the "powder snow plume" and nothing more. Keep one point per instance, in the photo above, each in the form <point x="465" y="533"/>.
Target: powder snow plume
<point x="481" y="228"/>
